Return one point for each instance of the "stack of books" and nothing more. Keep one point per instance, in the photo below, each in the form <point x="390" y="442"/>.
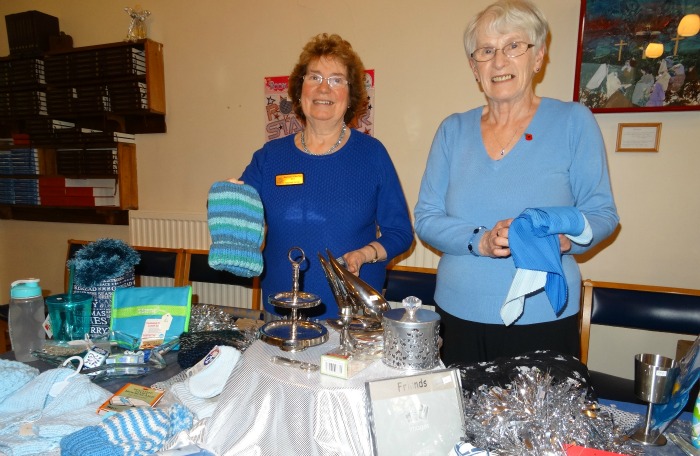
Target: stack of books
<point x="61" y="191"/>
<point x="117" y="62"/>
<point x="19" y="161"/>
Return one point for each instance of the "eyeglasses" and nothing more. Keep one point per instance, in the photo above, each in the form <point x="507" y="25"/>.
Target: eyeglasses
<point x="512" y="50"/>
<point x="333" y="81"/>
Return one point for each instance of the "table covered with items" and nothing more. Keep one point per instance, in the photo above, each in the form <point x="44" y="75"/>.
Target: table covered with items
<point x="367" y="382"/>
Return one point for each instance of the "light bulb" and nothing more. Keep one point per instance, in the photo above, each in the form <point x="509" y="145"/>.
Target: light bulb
<point x="654" y="50"/>
<point x="689" y="26"/>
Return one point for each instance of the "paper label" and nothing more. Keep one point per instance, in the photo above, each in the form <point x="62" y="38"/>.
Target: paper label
<point x="154" y="331"/>
<point x="47" y="327"/>
<point x="205" y="362"/>
<point x="26" y="429"/>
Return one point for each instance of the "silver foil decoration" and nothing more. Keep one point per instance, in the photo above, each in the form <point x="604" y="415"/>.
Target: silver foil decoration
<point x="537" y="416"/>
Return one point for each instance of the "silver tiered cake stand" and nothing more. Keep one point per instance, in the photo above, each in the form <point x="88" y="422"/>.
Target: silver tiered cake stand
<point x="294" y="334"/>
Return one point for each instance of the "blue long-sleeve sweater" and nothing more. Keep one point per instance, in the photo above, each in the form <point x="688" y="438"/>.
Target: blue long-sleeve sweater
<point x="559" y="161"/>
<point x="344" y="197"/>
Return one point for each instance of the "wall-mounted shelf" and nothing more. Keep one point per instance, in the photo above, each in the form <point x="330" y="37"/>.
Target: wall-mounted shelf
<point x="74" y="113"/>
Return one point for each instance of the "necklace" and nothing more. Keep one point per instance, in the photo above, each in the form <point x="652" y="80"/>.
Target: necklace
<point x="331" y="150"/>
<point x="503" y="148"/>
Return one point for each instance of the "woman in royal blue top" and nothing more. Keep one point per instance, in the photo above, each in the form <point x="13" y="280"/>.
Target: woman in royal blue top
<point x="488" y="165"/>
<point x="328" y="186"/>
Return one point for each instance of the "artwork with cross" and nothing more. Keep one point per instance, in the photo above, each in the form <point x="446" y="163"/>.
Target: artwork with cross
<point x="636" y="56"/>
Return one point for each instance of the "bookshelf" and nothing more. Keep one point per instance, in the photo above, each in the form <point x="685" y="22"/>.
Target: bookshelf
<point x="68" y="126"/>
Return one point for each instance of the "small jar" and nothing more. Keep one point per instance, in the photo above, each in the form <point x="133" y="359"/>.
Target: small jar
<point x="411" y="336"/>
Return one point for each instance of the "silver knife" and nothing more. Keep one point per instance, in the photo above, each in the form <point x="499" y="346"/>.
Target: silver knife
<point x="281" y="360"/>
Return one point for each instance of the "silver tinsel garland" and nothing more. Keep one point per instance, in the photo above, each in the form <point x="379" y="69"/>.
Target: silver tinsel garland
<point x="536" y="415"/>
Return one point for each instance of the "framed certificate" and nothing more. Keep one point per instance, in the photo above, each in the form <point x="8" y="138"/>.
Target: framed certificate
<point x="418" y="414"/>
<point x="638" y="137"/>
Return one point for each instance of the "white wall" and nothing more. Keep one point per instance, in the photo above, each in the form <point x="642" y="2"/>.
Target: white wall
<point x="217" y="53"/>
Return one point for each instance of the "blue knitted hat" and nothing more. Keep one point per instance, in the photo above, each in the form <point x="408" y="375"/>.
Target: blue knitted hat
<point x="237" y="226"/>
<point x="136" y="431"/>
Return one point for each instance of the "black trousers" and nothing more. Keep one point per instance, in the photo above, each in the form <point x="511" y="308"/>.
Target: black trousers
<point x="469" y="342"/>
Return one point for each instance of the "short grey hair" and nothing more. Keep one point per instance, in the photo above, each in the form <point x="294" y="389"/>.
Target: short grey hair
<point x="505" y="16"/>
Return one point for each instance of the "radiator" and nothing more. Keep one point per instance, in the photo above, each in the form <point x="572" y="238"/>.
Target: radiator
<point x="186" y="231"/>
<point x="190" y="231"/>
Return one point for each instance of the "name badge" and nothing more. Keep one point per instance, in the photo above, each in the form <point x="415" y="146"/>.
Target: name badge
<point x="289" y="179"/>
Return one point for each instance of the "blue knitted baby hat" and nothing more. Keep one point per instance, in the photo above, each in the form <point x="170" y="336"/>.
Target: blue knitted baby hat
<point x="236" y="224"/>
<point x="133" y="432"/>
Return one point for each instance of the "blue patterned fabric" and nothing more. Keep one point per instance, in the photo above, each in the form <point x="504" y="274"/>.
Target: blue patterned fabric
<point x="663" y="414"/>
<point x="236" y="224"/>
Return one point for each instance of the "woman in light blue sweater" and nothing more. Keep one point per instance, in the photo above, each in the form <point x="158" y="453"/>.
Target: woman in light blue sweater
<point x="485" y="167"/>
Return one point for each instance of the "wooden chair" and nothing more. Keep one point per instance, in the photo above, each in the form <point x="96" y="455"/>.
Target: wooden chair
<point x="5" y="344"/>
<point x="163" y="262"/>
<point x="651" y="308"/>
<point x="404" y="281"/>
<point x="645" y="307"/>
<point x="197" y="269"/>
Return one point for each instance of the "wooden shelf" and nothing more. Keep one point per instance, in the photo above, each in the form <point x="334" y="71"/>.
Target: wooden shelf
<point x="99" y="216"/>
<point x="59" y="100"/>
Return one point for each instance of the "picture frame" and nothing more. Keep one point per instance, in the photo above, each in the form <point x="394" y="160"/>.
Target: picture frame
<point x="421" y="413"/>
<point x="616" y="68"/>
<point x="638" y="137"/>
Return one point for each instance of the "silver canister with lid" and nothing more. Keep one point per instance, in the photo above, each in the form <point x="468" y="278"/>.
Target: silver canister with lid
<point x="411" y="336"/>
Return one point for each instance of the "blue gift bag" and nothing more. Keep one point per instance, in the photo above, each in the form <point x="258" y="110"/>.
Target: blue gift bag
<point x="152" y="314"/>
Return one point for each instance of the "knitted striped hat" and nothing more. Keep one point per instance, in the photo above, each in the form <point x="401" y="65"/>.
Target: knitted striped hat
<point x="135" y="431"/>
<point x="236" y="225"/>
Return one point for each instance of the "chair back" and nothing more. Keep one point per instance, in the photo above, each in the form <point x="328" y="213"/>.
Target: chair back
<point x="404" y="281"/>
<point x="197" y="269"/>
<point x="651" y="308"/>
<point x="160" y="262"/>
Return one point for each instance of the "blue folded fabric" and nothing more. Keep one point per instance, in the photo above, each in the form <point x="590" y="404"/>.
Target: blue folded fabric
<point x="534" y="245"/>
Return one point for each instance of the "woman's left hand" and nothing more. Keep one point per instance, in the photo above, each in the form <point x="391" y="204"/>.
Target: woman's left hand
<point x="564" y="243"/>
<point x="356" y="258"/>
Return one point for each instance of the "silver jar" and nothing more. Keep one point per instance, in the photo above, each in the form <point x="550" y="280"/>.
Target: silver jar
<point x="411" y="336"/>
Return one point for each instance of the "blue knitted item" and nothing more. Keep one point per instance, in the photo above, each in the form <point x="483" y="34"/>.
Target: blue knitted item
<point x="133" y="432"/>
<point x="236" y="224"/>
<point x="13" y="376"/>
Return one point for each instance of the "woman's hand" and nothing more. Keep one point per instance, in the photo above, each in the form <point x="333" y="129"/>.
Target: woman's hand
<point x="494" y="243"/>
<point x="564" y="243"/>
<point x="367" y="254"/>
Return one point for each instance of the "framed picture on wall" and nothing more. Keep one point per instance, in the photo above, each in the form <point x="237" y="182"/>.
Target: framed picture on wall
<point x="637" y="56"/>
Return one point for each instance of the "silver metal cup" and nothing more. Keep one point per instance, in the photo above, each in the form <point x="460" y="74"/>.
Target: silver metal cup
<point x="654" y="377"/>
